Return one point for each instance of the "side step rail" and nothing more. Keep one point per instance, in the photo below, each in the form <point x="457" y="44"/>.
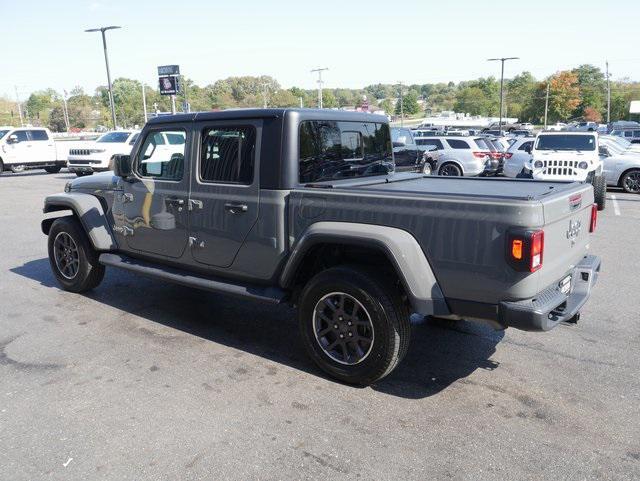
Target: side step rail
<point x="273" y="295"/>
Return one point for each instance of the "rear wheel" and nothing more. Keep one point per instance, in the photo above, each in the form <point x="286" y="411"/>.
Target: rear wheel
<point x="450" y="169"/>
<point x="73" y="260"/>
<point x="600" y="191"/>
<point x="354" y="324"/>
<point x="631" y="182"/>
<point x="54" y="169"/>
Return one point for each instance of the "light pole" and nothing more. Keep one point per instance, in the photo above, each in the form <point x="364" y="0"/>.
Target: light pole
<point x="502" y="60"/>
<point x="106" y="61"/>
<point x="401" y="106"/>
<point x="320" y="82"/>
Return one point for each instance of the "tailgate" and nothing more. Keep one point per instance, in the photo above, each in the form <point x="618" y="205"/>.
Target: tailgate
<point x="567" y="218"/>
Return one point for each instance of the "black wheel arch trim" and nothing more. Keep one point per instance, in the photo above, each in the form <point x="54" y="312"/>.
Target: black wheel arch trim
<point x="89" y="211"/>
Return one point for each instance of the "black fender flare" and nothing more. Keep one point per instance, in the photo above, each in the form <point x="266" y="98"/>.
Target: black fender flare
<point x="88" y="210"/>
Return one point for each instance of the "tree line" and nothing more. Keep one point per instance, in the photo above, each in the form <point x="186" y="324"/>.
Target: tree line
<point x="577" y="93"/>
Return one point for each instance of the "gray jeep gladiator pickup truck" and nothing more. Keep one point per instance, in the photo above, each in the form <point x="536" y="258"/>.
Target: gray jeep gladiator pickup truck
<point x="304" y="207"/>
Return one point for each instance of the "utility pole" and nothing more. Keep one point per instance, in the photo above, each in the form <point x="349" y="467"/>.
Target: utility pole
<point x="19" y="107"/>
<point x="144" y="103"/>
<point x="65" y="109"/>
<point x="502" y="60"/>
<point x="320" y="82"/>
<point x="301" y="104"/>
<point x="546" y="106"/>
<point x="264" y="94"/>
<point x="102" y="30"/>
<point x="608" y="95"/>
<point x="401" y="106"/>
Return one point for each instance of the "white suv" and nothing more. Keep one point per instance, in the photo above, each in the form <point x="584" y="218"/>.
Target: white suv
<point x="96" y="156"/>
<point x="28" y="148"/>
<point x="569" y="156"/>
<point x="462" y="155"/>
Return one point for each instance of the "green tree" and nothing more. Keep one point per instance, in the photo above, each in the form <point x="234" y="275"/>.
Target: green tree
<point x="56" y="120"/>
<point x="472" y="100"/>
<point x="328" y="99"/>
<point x="411" y="105"/>
<point x="388" y="105"/>
<point x="592" y="84"/>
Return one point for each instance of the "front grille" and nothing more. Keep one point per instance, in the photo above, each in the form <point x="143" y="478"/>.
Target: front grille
<point x="564" y="168"/>
<point x="83" y="162"/>
<point x="79" y="152"/>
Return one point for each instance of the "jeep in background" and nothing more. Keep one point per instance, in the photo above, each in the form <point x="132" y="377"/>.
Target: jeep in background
<point x="97" y="156"/>
<point x="568" y="156"/>
<point x="305" y="207"/>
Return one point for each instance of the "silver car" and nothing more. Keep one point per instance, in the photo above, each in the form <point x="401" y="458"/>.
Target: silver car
<point x="461" y="155"/>
<point x="621" y="166"/>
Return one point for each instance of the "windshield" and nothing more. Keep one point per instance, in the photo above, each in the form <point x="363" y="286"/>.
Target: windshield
<point x="566" y="142"/>
<point x="114" y="137"/>
<point x="3" y="133"/>
<point x="613" y="147"/>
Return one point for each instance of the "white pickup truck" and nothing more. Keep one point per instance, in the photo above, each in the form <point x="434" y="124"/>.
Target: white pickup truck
<point x="96" y="156"/>
<point x="570" y="156"/>
<point x="29" y="148"/>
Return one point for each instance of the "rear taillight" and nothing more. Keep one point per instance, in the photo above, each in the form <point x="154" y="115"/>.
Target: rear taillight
<point x="525" y="250"/>
<point x="508" y="155"/>
<point x="496" y="155"/>
<point x="594" y="218"/>
<point x="480" y="155"/>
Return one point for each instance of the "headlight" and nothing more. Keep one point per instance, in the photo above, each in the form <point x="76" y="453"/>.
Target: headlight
<point x="67" y="187"/>
<point x="538" y="164"/>
<point x="583" y="165"/>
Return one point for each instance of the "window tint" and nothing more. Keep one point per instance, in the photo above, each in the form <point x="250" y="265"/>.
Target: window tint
<point x="39" y="135"/>
<point x="336" y="150"/>
<point x="159" y="161"/>
<point x="481" y="144"/>
<point x="525" y="145"/>
<point x="3" y="133"/>
<point x="227" y="154"/>
<point x="22" y="135"/>
<point x="175" y="139"/>
<point x="401" y="135"/>
<point x="134" y="138"/>
<point x="457" y="144"/>
<point x="628" y="133"/>
<point x="636" y="133"/>
<point x="435" y="142"/>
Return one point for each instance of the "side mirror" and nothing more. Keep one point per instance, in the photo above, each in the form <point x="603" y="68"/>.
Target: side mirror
<point x="122" y="165"/>
<point x="399" y="144"/>
<point x="12" y="139"/>
<point x="604" y="151"/>
<point x="527" y="149"/>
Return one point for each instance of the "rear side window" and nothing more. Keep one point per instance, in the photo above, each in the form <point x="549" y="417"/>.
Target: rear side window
<point x="481" y="144"/>
<point x="336" y="150"/>
<point x="458" y="144"/>
<point x="39" y="135"/>
<point x="227" y="154"/>
<point x="525" y="145"/>
<point x="435" y="142"/>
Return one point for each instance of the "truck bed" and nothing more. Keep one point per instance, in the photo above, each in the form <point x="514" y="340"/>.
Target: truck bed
<point x="461" y="225"/>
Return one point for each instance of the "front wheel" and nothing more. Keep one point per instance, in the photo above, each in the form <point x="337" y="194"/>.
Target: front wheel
<point x="16" y="169"/>
<point x="426" y="168"/>
<point x="354" y="324"/>
<point x="631" y="182"/>
<point x="450" y="170"/>
<point x="73" y="259"/>
<point x="600" y="191"/>
<point x="54" y="169"/>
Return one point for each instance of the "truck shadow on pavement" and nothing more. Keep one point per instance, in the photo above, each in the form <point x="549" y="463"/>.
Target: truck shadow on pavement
<point x="441" y="352"/>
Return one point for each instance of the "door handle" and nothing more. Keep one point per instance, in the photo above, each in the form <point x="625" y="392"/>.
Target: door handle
<point x="235" y="208"/>
<point x="175" y="202"/>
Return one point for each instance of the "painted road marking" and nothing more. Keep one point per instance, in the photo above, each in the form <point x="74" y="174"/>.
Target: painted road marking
<point x="616" y="207"/>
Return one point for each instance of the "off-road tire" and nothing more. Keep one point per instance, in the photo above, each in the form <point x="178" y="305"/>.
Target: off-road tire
<point x="385" y="307"/>
<point x="89" y="271"/>
<point x="600" y="191"/>
<point x="54" y="169"/>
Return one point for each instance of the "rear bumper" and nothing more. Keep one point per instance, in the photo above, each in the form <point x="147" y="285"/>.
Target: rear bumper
<point x="551" y="307"/>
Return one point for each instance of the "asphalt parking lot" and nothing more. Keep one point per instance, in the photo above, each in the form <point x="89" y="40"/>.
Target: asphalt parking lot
<point x="144" y="380"/>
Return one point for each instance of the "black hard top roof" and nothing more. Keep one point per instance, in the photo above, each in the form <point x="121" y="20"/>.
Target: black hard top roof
<point x="319" y="114"/>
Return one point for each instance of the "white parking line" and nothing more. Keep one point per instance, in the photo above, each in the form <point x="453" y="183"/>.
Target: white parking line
<point x="616" y="207"/>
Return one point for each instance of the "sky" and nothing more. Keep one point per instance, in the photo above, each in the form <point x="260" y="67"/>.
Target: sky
<point x="361" y="42"/>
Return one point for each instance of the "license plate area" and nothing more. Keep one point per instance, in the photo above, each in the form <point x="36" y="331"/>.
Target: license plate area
<point x="565" y="285"/>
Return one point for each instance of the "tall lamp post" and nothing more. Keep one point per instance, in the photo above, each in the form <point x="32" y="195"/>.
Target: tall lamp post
<point x="106" y="61"/>
<point x="502" y="60"/>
